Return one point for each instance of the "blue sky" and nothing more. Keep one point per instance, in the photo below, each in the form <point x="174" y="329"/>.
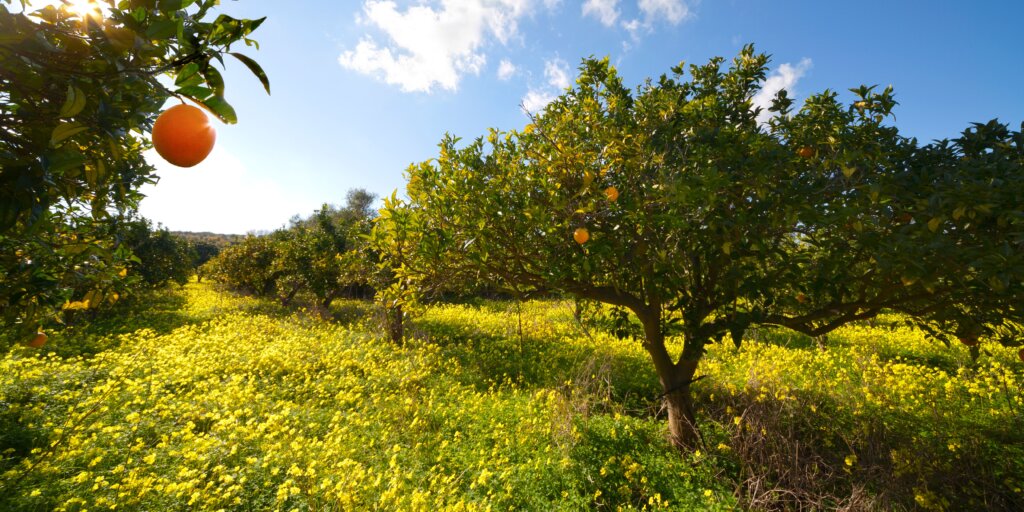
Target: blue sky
<point x="363" y="88"/>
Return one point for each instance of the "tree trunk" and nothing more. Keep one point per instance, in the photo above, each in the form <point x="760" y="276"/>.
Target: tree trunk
<point x="394" y="318"/>
<point x="287" y="299"/>
<point x="682" y="422"/>
<point x="676" y="379"/>
<point x="324" y="307"/>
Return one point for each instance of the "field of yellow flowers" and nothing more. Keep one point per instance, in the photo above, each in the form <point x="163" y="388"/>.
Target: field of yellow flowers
<point x="202" y="400"/>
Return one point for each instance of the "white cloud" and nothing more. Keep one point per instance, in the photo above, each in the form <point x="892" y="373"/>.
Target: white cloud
<point x="606" y="11"/>
<point x="556" y="72"/>
<point x="785" y="77"/>
<point x="634" y="27"/>
<point x="506" y="69"/>
<point x="218" y="195"/>
<point x="434" y="43"/>
<point x="535" y="100"/>
<point x="673" y="11"/>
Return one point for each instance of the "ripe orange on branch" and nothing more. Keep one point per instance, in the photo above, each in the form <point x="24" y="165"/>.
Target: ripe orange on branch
<point x="38" y="340"/>
<point x="581" y="235"/>
<point x="805" y="152"/>
<point x="612" y="193"/>
<point x="183" y="136"/>
<point x="970" y="342"/>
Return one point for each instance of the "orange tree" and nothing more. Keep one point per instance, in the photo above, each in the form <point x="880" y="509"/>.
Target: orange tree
<point x="78" y="91"/>
<point x="325" y="254"/>
<point x="250" y="266"/>
<point x="717" y="223"/>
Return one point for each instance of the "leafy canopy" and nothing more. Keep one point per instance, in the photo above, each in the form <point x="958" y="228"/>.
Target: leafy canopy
<point x="78" y="92"/>
<point x="816" y="218"/>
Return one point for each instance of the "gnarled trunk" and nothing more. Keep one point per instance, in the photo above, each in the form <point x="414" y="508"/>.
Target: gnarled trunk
<point x="676" y="379"/>
<point x="682" y="422"/>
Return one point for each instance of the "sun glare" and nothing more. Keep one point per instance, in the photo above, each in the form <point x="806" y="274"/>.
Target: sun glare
<point x="81" y="8"/>
<point x="84" y="8"/>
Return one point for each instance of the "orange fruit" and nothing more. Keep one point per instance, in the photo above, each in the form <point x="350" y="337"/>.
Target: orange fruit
<point x="38" y="341"/>
<point x="612" y="193"/>
<point x="1021" y="354"/>
<point x="183" y="135"/>
<point x="581" y="235"/>
<point x="970" y="342"/>
<point x="805" y="152"/>
<point x="801" y="298"/>
<point x="904" y="218"/>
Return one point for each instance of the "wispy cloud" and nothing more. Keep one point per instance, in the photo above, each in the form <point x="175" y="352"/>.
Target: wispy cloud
<point x="506" y="70"/>
<point x="672" y="12"/>
<point x="785" y="77"/>
<point x="435" y="43"/>
<point x="605" y="11"/>
<point x="556" y="73"/>
<point x="535" y="100"/>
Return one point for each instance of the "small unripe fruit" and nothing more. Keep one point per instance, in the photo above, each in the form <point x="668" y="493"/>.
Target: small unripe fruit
<point x="581" y="235"/>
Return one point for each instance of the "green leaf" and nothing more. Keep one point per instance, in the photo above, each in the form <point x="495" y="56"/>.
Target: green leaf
<point x="65" y="130"/>
<point x="220" y="108"/>
<point x="187" y="71"/>
<point x="163" y="29"/>
<point x="74" y="103"/>
<point x="255" y="68"/>
<point x="214" y="80"/>
<point x="174" y="5"/>
<point x="59" y="161"/>
<point x="195" y="92"/>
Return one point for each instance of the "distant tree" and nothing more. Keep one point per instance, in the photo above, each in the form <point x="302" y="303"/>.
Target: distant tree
<point x="323" y="254"/>
<point x="160" y="257"/>
<point x="203" y="252"/>
<point x="702" y="222"/>
<point x="78" y="92"/>
<point x="249" y="266"/>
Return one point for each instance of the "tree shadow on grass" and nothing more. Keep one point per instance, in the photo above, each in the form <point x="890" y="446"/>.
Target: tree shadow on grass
<point x="488" y="359"/>
<point x="811" y="451"/>
<point x="88" y="333"/>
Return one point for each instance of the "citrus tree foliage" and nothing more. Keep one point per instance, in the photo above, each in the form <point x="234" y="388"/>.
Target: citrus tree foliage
<point x="703" y="222"/>
<point x="248" y="266"/>
<point x="325" y="254"/>
<point x="160" y="257"/>
<point x="78" y="92"/>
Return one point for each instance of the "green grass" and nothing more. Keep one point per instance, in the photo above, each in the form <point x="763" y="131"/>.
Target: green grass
<point x="203" y="400"/>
